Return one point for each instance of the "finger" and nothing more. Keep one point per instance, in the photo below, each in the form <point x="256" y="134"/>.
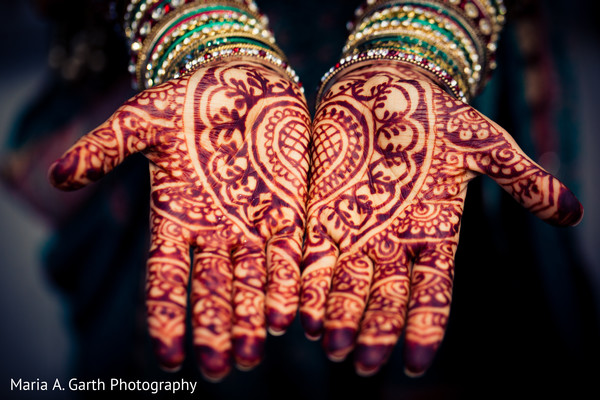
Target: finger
<point x="283" y="277"/>
<point x="101" y="150"/>
<point x="167" y="279"/>
<point x="544" y="196"/>
<point x="429" y="306"/>
<point x="212" y="311"/>
<point x="385" y="316"/>
<point x="249" y="326"/>
<point x="528" y="183"/>
<point x="320" y="256"/>
<point x="346" y="304"/>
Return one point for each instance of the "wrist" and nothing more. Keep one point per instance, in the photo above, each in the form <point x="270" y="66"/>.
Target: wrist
<point x="454" y="40"/>
<point x="171" y="38"/>
<point x="399" y="69"/>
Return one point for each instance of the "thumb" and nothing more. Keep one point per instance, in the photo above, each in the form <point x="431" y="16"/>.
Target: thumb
<point x="545" y="196"/>
<point x="98" y="152"/>
<point x="529" y="184"/>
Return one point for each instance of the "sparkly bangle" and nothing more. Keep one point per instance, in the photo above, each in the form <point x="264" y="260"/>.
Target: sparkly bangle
<point x="453" y="39"/>
<point x="425" y="54"/>
<point x="236" y="50"/>
<point x="488" y="15"/>
<point x="422" y="24"/>
<point x="142" y="15"/>
<point x="449" y="19"/>
<point x="169" y="38"/>
<point x="158" y="50"/>
<point x="195" y="47"/>
<point x="178" y="22"/>
<point x="196" y="15"/>
<point x="423" y="42"/>
<point x="449" y="83"/>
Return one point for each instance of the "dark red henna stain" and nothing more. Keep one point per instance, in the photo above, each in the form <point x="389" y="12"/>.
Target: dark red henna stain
<point x="248" y="351"/>
<point x="228" y="147"/>
<point x="214" y="365"/>
<point x="418" y="358"/>
<point x="369" y="359"/>
<point x="392" y="157"/>
<point x="339" y="342"/>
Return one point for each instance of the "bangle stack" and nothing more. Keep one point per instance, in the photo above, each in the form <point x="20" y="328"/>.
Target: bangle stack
<point x="170" y="38"/>
<point x="455" y="40"/>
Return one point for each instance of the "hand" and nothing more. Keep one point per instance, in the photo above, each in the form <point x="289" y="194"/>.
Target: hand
<point x="392" y="157"/>
<point x="228" y="151"/>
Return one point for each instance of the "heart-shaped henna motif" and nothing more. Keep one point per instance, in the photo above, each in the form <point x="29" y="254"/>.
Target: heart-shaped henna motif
<point x="393" y="154"/>
<point x="228" y="147"/>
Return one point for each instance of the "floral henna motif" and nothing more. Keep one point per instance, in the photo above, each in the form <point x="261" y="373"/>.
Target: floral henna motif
<point x="228" y="147"/>
<point x="392" y="157"/>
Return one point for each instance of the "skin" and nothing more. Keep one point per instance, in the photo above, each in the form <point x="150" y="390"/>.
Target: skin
<point x="391" y="159"/>
<point x="228" y="154"/>
<point x="228" y="148"/>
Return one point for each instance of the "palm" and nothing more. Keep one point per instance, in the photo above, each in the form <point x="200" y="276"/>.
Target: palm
<point x="228" y="152"/>
<point x="392" y="158"/>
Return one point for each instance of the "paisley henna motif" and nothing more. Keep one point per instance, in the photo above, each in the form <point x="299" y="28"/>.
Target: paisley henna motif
<point x="392" y="157"/>
<point x="228" y="147"/>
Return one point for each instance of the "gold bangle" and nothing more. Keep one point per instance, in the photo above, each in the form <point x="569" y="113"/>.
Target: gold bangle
<point x="247" y="20"/>
<point x="237" y="50"/>
<point x="463" y="31"/>
<point x="176" y="56"/>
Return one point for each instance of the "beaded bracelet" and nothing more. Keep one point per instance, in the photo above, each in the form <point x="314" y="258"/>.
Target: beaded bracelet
<point x="233" y="50"/>
<point x="403" y="21"/>
<point x="453" y="39"/>
<point x="169" y="38"/>
<point x="448" y="82"/>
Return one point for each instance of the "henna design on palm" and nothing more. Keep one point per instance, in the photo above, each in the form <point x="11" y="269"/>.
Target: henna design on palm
<point x="228" y="151"/>
<point x="392" y="157"/>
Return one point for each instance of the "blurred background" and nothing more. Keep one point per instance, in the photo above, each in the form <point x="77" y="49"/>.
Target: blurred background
<point x="527" y="296"/>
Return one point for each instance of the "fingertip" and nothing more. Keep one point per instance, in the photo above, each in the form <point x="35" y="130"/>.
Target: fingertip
<point x="214" y="365"/>
<point x="337" y="358"/>
<point x="418" y="358"/>
<point x="275" y="331"/>
<point x="245" y="367"/>
<point x="213" y="378"/>
<point x="170" y="358"/>
<point x="170" y="368"/>
<point x="278" y="322"/>
<point x="413" y="374"/>
<point x="248" y="352"/>
<point x="365" y="372"/>
<point x="62" y="174"/>
<point x="338" y="343"/>
<point x="581" y="212"/>
<point x="570" y="210"/>
<point x="369" y="359"/>
<point x="58" y="177"/>
<point x="51" y="174"/>
<point x="313" y="327"/>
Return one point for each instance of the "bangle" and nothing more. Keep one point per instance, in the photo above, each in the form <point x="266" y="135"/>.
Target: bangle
<point x="232" y="50"/>
<point x="453" y="39"/>
<point x="142" y="15"/>
<point x="169" y="38"/>
<point x="449" y="84"/>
